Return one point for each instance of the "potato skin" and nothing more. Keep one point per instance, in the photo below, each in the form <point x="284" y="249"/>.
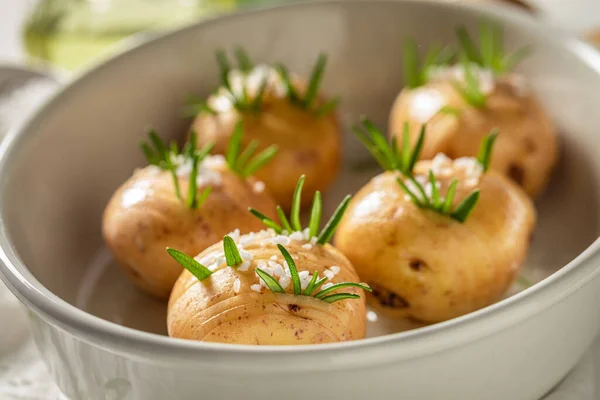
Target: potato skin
<point x="526" y="149"/>
<point x="144" y="217"/>
<point x="212" y="311"/>
<point x="307" y="144"/>
<point x="427" y="266"/>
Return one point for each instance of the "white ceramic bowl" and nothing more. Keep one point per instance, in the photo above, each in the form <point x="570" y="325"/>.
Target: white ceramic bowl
<point x="58" y="171"/>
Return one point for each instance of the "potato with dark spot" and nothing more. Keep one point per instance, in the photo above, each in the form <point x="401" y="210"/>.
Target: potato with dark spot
<point x="460" y="104"/>
<point x="145" y="215"/>
<point x="436" y="239"/>
<point x="233" y="305"/>
<point x="287" y="113"/>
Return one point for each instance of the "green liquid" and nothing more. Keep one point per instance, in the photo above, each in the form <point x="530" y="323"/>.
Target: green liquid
<point x="71" y="33"/>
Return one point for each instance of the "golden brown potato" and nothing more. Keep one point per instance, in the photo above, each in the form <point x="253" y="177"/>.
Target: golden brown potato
<point x="144" y="216"/>
<point x="308" y="144"/>
<point x="428" y="266"/>
<point x="526" y="149"/>
<point x="234" y="306"/>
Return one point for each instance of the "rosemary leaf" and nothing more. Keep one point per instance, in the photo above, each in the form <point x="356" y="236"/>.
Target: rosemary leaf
<point x="266" y="220"/>
<point x="410" y="68"/>
<point x="512" y="60"/>
<point x="447" y="206"/>
<point x="233" y="148"/>
<point x="243" y="60"/>
<point x="293" y="270"/>
<point x="334" y="221"/>
<point x="187" y="262"/>
<point x="337" y="286"/>
<point x="327" y="108"/>
<point x="315" y="215"/>
<point x="468" y="45"/>
<point x="284" y="221"/>
<point x="316" y="286"/>
<point x="372" y="148"/>
<point x="416" y="152"/>
<point x="484" y="157"/>
<point x="435" y="194"/>
<point x="262" y="159"/>
<point x="151" y="157"/>
<point x="258" y="98"/>
<point x="232" y="254"/>
<point x="380" y="141"/>
<point x="192" y="195"/>
<point x="406" y="153"/>
<point x="224" y="68"/>
<point x="247" y="153"/>
<point x="296" y="200"/>
<point x="462" y="211"/>
<point x="271" y="283"/>
<point x="203" y="196"/>
<point x="309" y="288"/>
<point x="415" y="199"/>
<point x="289" y="87"/>
<point x="315" y="81"/>
<point x="449" y="110"/>
<point x="340" y="296"/>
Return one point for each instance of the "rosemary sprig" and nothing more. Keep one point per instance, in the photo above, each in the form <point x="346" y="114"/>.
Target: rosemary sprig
<point x="232" y="254"/>
<point x="157" y="153"/>
<point x="308" y="101"/>
<point x="387" y="154"/>
<point x="315" y="217"/>
<point x="415" y="73"/>
<point x="245" y="163"/>
<point x="325" y="294"/>
<point x="443" y="205"/>
<point x="489" y="52"/>
<point x="470" y="90"/>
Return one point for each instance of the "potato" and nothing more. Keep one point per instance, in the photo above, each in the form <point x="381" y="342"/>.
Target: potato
<point x="428" y="266"/>
<point x="231" y="305"/>
<point x="527" y="147"/>
<point x="144" y="216"/>
<point x="308" y="144"/>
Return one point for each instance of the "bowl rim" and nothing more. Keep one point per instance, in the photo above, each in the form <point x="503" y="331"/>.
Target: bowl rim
<point x="118" y="338"/>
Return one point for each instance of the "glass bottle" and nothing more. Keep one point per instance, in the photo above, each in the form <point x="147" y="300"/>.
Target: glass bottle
<point x="69" y="33"/>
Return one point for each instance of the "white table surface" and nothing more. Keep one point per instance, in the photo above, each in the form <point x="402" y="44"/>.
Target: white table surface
<point x="21" y="369"/>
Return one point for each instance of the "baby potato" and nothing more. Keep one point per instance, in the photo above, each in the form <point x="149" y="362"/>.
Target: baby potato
<point x="145" y="215"/>
<point x="427" y="266"/>
<point x="298" y="120"/>
<point x="234" y="305"/>
<point x="526" y="150"/>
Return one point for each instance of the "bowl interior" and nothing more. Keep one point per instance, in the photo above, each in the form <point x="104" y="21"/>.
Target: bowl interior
<point x="63" y="167"/>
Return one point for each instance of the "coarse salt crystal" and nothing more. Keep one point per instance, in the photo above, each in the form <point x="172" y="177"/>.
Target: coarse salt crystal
<point x="237" y="285"/>
<point x="326" y="286"/>
<point x="283" y="240"/>
<point x="246" y="255"/>
<point x="278" y="271"/>
<point x="296" y="236"/>
<point x="329" y="274"/>
<point x="307" y="246"/>
<point x="258" y="187"/>
<point x="244" y="266"/>
<point x="335" y="269"/>
<point x="256" y="288"/>
<point x="284" y="281"/>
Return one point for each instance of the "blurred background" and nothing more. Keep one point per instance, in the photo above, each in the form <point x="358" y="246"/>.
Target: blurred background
<point x="70" y="33"/>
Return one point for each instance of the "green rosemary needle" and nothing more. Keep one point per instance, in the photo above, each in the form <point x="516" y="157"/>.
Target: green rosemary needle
<point x="470" y="90"/>
<point x="157" y="153"/>
<point x="293" y="224"/>
<point x="308" y="101"/>
<point x="489" y="52"/>
<point x="326" y="295"/>
<point x="187" y="262"/>
<point x="232" y="254"/>
<point x="245" y="163"/>
<point x="415" y="73"/>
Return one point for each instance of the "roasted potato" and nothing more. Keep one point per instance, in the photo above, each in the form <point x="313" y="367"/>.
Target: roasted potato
<point x="147" y="213"/>
<point x="234" y="305"/>
<point x="460" y="103"/>
<point x="303" y="126"/>
<point x="432" y="265"/>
